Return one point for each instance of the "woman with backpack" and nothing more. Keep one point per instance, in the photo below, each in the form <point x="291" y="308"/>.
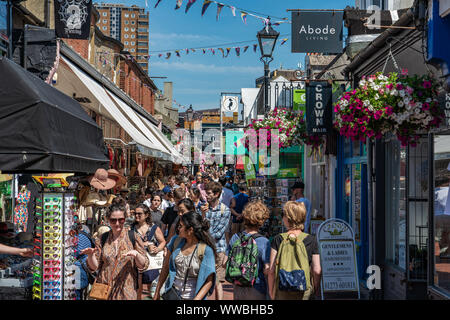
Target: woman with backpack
<point x="152" y="237"/>
<point x="190" y="262"/>
<point x="118" y="256"/>
<point x="294" y="272"/>
<point x="250" y="249"/>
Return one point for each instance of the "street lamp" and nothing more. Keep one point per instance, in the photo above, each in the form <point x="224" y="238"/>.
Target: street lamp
<point x="190" y="116"/>
<point x="267" y="39"/>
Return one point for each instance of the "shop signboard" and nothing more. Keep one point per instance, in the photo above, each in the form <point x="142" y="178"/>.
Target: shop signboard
<point x="233" y="143"/>
<point x="248" y="168"/>
<point x="337" y="258"/>
<point x="300" y="100"/>
<point x="73" y="18"/>
<point x="288" y="173"/>
<point x="318" y="108"/>
<point x="317" y="31"/>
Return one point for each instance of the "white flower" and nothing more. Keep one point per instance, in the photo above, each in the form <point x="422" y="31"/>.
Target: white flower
<point x="428" y="100"/>
<point x="408" y="107"/>
<point x="401" y="93"/>
<point x="429" y="118"/>
<point x="419" y="104"/>
<point x="370" y="108"/>
<point x="377" y="97"/>
<point x="394" y="92"/>
<point x="345" y="103"/>
<point x="362" y="83"/>
<point x="366" y="103"/>
<point x="401" y="104"/>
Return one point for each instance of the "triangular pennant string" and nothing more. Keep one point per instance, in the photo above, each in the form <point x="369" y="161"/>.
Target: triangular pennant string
<point x="178" y="4"/>
<point x="254" y="47"/>
<point x="168" y="55"/>
<point x="219" y="8"/>
<point x="245" y="48"/>
<point x="189" y="5"/>
<point x="238" y="51"/>
<point x="205" y="6"/>
<point x="228" y="52"/>
<point x="223" y="53"/>
<point x="233" y="10"/>
<point x="244" y="16"/>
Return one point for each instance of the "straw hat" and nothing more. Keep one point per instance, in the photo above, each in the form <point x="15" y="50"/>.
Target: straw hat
<point x="101" y="181"/>
<point x="94" y="199"/>
<point x="120" y="179"/>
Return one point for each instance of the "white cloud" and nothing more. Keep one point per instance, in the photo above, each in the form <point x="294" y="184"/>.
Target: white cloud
<point x="205" y="68"/>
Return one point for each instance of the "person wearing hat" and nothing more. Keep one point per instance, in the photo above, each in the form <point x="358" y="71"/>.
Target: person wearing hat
<point x="165" y="201"/>
<point x="298" y="196"/>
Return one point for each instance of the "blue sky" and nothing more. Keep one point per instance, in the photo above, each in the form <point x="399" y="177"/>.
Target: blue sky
<point x="198" y="78"/>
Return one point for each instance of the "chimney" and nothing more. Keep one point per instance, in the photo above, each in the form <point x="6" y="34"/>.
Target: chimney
<point x="168" y="91"/>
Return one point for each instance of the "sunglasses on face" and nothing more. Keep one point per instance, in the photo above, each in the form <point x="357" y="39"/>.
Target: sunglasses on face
<point x="114" y="221"/>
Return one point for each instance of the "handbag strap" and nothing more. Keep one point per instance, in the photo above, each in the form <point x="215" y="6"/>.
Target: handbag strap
<point x="187" y="270"/>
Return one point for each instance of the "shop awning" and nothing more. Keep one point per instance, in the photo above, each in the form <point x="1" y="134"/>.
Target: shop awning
<point x="43" y="130"/>
<point x="177" y="157"/>
<point x="146" y="146"/>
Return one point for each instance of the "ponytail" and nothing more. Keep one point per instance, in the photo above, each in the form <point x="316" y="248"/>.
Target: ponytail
<point x="201" y="228"/>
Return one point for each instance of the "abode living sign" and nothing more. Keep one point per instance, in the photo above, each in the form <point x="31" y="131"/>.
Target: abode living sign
<point x="337" y="257"/>
<point x="317" y="31"/>
<point x="318" y="107"/>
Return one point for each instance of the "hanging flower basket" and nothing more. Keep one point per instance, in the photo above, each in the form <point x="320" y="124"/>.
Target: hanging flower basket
<point x="401" y="104"/>
<point x="290" y="127"/>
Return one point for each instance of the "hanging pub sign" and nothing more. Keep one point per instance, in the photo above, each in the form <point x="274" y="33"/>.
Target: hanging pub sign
<point x="72" y="18"/>
<point x="317" y="31"/>
<point x="336" y="241"/>
<point x="318" y="108"/>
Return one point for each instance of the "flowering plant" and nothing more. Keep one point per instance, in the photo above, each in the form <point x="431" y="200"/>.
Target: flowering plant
<point x="395" y="103"/>
<point x="416" y="109"/>
<point x="290" y="128"/>
<point x="361" y="112"/>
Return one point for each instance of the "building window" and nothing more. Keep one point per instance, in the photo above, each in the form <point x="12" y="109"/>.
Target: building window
<point x="140" y="44"/>
<point x="105" y="14"/>
<point x="441" y="214"/>
<point x="133" y="29"/>
<point x="133" y="22"/>
<point x="132" y="50"/>
<point x="142" y="29"/>
<point x="105" y="28"/>
<point x="142" y="50"/>
<point x="126" y="22"/>
<point x="126" y="43"/>
<point x="133" y="43"/>
<point x="125" y="36"/>
<point x="133" y="36"/>
<point x="396" y="204"/>
<point x="142" y="37"/>
<point x="126" y="29"/>
<point x="127" y="15"/>
<point x="105" y="21"/>
<point x="133" y="15"/>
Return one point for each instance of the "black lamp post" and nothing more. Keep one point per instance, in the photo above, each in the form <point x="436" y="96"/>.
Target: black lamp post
<point x="190" y="116"/>
<point x="267" y="39"/>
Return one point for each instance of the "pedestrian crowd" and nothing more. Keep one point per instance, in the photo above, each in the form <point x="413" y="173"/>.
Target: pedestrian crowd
<point x="183" y="238"/>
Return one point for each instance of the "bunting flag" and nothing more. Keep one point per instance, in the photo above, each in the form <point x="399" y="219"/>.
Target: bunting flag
<point x="283" y="41"/>
<point x="223" y="53"/>
<point x="193" y="50"/>
<point x="205" y="6"/>
<point x="219" y="8"/>
<point x="245" y="48"/>
<point x="168" y="55"/>
<point x="157" y="2"/>
<point x="254" y="47"/>
<point x="178" y="5"/>
<point x="189" y="5"/>
<point x="204" y="51"/>
<point x="228" y="52"/>
<point x="238" y="51"/>
<point x="233" y="11"/>
<point x="187" y="51"/>
<point x="160" y="55"/>
<point x="244" y="16"/>
<point x="178" y="53"/>
<point x="213" y="52"/>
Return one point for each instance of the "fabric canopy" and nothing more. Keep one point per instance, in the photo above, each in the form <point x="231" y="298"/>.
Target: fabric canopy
<point x="43" y="130"/>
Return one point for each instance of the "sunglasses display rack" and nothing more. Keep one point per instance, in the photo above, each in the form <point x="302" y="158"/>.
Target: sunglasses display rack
<point x="56" y="243"/>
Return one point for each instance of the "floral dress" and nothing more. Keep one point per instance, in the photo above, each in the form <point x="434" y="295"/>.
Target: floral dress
<point x="124" y="281"/>
<point x="21" y="211"/>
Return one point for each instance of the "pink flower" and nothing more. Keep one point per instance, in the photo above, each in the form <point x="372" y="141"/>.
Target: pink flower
<point x="426" y="84"/>
<point x="404" y="72"/>
<point x="399" y="86"/>
<point x="390" y="86"/>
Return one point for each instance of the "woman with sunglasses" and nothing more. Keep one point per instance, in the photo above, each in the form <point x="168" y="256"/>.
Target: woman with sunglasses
<point x="190" y="260"/>
<point x="152" y="238"/>
<point x="117" y="260"/>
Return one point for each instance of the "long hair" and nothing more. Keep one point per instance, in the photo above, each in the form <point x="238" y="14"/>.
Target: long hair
<point x="146" y="210"/>
<point x="201" y="228"/>
<point x="187" y="203"/>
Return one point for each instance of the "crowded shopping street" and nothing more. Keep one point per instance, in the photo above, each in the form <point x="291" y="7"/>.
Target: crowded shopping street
<point x="236" y="153"/>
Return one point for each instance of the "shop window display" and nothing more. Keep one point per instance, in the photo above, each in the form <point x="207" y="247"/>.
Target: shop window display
<point x="441" y="218"/>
